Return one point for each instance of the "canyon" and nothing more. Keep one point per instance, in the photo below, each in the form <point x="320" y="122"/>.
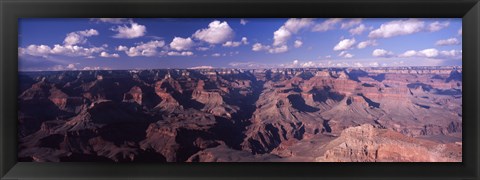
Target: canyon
<point x="371" y="114"/>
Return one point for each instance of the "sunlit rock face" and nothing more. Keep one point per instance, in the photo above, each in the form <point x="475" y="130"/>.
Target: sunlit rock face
<point x="411" y="114"/>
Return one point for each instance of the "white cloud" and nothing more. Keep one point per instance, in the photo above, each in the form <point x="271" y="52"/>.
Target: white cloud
<point x="243" y="22"/>
<point x="134" y="31"/>
<point x="397" y="28"/>
<point x="71" y="66"/>
<point x="108" y="55"/>
<point x="112" y="20"/>
<point x="69" y="47"/>
<point x="328" y="24"/>
<point x="409" y="53"/>
<point x="358" y="30"/>
<point x="88" y="68"/>
<point x="260" y="47"/>
<point x="452" y="53"/>
<point x="216" y="33"/>
<point x="297" y="43"/>
<point x="445" y="42"/>
<point x="357" y="64"/>
<point x="68" y="67"/>
<point x="344" y="44"/>
<point x="184" y="53"/>
<point x="382" y="53"/>
<point x="270" y="49"/>
<point x="202" y="48"/>
<point x="231" y="44"/>
<point x="460" y="31"/>
<point x="374" y="64"/>
<point x="281" y="36"/>
<point x="279" y="49"/>
<point x="78" y="37"/>
<point x="216" y="55"/>
<point x="295" y="62"/>
<point x="35" y="50"/>
<point x="367" y="43"/>
<point x="75" y="51"/>
<point x="235" y="43"/>
<point x="292" y="26"/>
<point x="308" y="64"/>
<point x="437" y="26"/>
<point x="181" y="44"/>
<point x="244" y="40"/>
<point x="430" y="53"/>
<point x="201" y="67"/>
<point x="345" y="54"/>
<point x="433" y="53"/>
<point x="142" y="49"/>
<point x="351" y="23"/>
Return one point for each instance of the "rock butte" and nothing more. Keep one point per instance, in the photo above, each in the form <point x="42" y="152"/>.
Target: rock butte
<point x="411" y="114"/>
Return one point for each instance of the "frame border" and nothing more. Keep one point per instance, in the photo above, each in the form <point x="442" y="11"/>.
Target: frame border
<point x="11" y="10"/>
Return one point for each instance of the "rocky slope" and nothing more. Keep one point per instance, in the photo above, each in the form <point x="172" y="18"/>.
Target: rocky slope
<point x="335" y="114"/>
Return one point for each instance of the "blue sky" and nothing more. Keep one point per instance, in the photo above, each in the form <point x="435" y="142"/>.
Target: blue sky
<point x="123" y="43"/>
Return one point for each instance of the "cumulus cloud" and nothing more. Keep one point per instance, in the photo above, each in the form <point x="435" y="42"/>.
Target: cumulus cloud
<point x="297" y="43"/>
<point x="328" y="24"/>
<point x="260" y="47"/>
<point x="88" y="68"/>
<point x="281" y="36"/>
<point x="367" y="43"/>
<point x="397" y="28"/>
<point x="289" y="28"/>
<point x="201" y="67"/>
<point x="181" y="44"/>
<point x="405" y="27"/>
<point x="452" y="53"/>
<point x="142" y="49"/>
<point x="112" y="20"/>
<point x="437" y="26"/>
<point x="108" y="55"/>
<point x="243" y="22"/>
<point x="68" y="48"/>
<point x="75" y="51"/>
<point x="358" y="30"/>
<point x="231" y="44"/>
<point x="78" y="37"/>
<point x="184" y="53"/>
<point x="216" y="55"/>
<point x="202" y="48"/>
<point x="235" y="43"/>
<point x="430" y="53"/>
<point x="270" y="49"/>
<point x="409" y="53"/>
<point x="295" y="62"/>
<point x="244" y="40"/>
<point x="344" y="44"/>
<point x="382" y="53"/>
<point x="351" y="23"/>
<point x="345" y="54"/>
<point x="35" y="50"/>
<point x="433" y="53"/>
<point x="278" y="49"/>
<point x="308" y="64"/>
<point x="216" y="33"/>
<point x="446" y="42"/>
<point x="129" y="32"/>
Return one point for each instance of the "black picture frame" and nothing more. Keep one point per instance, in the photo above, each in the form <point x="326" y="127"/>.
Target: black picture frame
<point x="11" y="10"/>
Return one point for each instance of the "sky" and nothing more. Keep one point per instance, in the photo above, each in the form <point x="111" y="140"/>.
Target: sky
<point x="58" y="44"/>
